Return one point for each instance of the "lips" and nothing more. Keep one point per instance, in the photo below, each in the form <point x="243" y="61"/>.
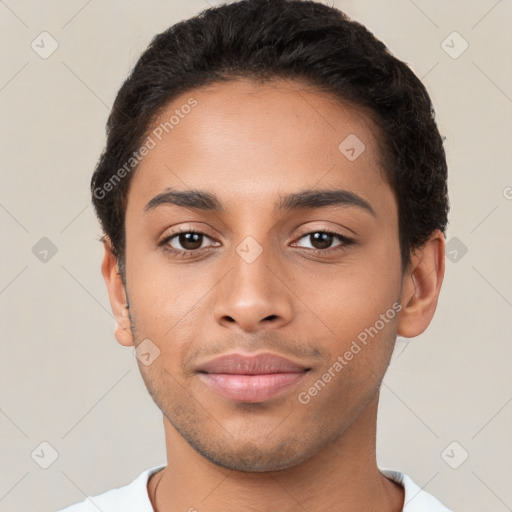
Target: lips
<point x="255" y="378"/>
<point x="251" y="365"/>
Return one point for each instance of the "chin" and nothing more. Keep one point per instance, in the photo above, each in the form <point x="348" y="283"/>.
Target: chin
<point x="251" y="458"/>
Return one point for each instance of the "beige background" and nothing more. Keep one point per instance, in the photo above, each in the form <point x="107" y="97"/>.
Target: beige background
<point x="63" y="378"/>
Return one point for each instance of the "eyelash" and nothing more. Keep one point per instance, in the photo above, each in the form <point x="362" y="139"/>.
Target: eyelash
<point x="164" y="244"/>
<point x="184" y="253"/>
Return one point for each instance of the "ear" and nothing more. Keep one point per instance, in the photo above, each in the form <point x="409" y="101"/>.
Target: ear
<point x="421" y="286"/>
<point x="117" y="295"/>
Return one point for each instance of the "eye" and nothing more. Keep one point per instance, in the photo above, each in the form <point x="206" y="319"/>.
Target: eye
<point x="322" y="241"/>
<point x="185" y="241"/>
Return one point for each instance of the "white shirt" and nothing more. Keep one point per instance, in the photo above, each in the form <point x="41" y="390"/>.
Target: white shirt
<point x="134" y="496"/>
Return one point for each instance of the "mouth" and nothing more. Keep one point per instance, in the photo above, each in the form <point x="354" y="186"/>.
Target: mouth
<point x="251" y="379"/>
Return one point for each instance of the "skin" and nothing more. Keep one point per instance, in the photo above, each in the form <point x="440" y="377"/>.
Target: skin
<point x="250" y="144"/>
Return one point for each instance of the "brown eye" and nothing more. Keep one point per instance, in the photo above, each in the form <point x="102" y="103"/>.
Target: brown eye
<point x="321" y="240"/>
<point x="190" y="241"/>
<point x="186" y="241"/>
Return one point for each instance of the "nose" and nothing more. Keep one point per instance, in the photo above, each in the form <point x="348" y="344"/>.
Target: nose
<point x="253" y="296"/>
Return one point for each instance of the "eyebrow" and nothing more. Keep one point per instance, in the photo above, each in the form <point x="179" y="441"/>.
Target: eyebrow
<point x="311" y="199"/>
<point x="303" y="200"/>
<point x="195" y="199"/>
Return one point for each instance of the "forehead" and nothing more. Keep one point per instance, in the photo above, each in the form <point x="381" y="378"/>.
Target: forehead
<point x="247" y="141"/>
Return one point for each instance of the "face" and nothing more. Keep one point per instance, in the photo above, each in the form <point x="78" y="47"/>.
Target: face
<point x="249" y="231"/>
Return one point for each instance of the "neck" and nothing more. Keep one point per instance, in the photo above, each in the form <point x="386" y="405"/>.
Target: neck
<point x="343" y="476"/>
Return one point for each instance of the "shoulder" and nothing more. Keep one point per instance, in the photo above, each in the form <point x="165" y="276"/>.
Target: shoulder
<point x="131" y="497"/>
<point x="416" y="499"/>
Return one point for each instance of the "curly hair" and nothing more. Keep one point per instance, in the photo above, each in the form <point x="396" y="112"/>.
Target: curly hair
<point x="299" y="39"/>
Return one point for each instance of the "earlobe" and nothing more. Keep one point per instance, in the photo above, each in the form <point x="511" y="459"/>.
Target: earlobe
<point x="421" y="286"/>
<point x="117" y="295"/>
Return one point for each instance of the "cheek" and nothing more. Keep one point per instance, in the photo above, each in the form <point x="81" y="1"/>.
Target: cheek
<point x="345" y="300"/>
<point x="165" y="298"/>
<point x="359" y="354"/>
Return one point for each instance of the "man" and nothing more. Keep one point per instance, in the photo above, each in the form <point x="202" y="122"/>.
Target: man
<point x="273" y="199"/>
